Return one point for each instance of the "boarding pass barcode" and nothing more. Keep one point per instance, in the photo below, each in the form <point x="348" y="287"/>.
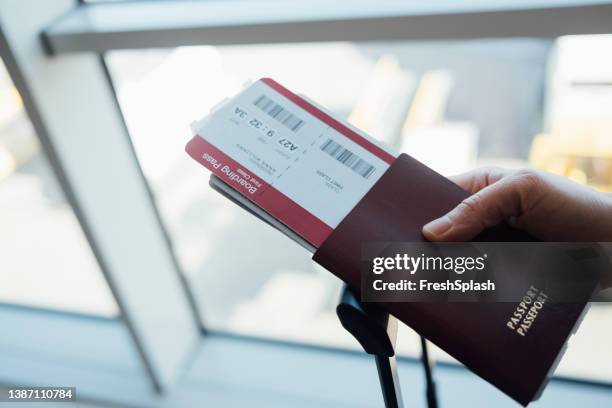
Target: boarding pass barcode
<point x="348" y="158"/>
<point x="279" y="113"/>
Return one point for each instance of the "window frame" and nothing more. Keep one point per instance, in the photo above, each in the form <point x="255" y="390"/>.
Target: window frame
<point x="166" y="23"/>
<point x="113" y="204"/>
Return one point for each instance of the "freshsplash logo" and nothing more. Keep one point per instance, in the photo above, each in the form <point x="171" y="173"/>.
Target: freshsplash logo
<point x="413" y="264"/>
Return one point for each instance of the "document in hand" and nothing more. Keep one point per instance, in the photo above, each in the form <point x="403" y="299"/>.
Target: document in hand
<point x="331" y="188"/>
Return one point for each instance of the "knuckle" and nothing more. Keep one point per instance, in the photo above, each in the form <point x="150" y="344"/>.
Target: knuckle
<point x="532" y="187"/>
<point x="529" y="179"/>
<point x="493" y="174"/>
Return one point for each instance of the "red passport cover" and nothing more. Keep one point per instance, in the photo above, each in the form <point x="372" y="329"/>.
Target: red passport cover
<point x="408" y="196"/>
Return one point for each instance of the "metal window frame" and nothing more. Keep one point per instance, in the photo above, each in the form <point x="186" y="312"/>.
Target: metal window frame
<point x="113" y="203"/>
<point x="151" y="24"/>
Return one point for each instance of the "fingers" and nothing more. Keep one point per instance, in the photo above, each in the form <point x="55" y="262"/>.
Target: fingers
<point x="489" y="206"/>
<point x="480" y="178"/>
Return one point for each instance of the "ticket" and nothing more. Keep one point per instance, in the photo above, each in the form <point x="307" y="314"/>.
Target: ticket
<point x="289" y="157"/>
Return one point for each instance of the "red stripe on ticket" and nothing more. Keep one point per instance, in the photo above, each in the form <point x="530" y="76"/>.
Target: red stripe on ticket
<point x="263" y="194"/>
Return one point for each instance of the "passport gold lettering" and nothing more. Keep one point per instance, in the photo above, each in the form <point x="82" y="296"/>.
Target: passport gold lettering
<point x="527" y="311"/>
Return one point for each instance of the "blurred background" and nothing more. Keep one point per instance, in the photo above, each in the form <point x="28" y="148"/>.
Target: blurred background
<point x="453" y="105"/>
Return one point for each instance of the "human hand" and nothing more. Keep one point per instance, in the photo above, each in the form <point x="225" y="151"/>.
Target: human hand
<point x="549" y="207"/>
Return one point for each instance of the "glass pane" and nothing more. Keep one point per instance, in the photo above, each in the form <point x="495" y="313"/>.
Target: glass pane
<point x="46" y="260"/>
<point x="484" y="100"/>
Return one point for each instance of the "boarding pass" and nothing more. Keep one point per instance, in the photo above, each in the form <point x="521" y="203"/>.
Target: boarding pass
<point x="290" y="157"/>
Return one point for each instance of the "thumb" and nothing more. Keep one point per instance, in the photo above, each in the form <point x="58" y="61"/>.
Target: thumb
<point x="486" y="208"/>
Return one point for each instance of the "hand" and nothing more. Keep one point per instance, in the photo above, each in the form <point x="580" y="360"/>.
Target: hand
<point x="549" y="207"/>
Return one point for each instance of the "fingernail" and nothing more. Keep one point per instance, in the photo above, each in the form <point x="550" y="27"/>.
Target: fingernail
<point x="437" y="227"/>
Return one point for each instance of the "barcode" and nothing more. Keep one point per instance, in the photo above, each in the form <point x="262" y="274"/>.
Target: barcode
<point x="279" y="113"/>
<point x="348" y="158"/>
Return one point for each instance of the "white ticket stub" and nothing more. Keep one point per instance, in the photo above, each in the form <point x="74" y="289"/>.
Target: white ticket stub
<point x="292" y="159"/>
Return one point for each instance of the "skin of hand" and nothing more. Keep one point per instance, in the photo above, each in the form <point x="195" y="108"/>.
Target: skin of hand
<point x="549" y="207"/>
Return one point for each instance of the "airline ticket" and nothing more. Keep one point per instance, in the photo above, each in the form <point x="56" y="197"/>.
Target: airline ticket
<point x="290" y="157"/>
